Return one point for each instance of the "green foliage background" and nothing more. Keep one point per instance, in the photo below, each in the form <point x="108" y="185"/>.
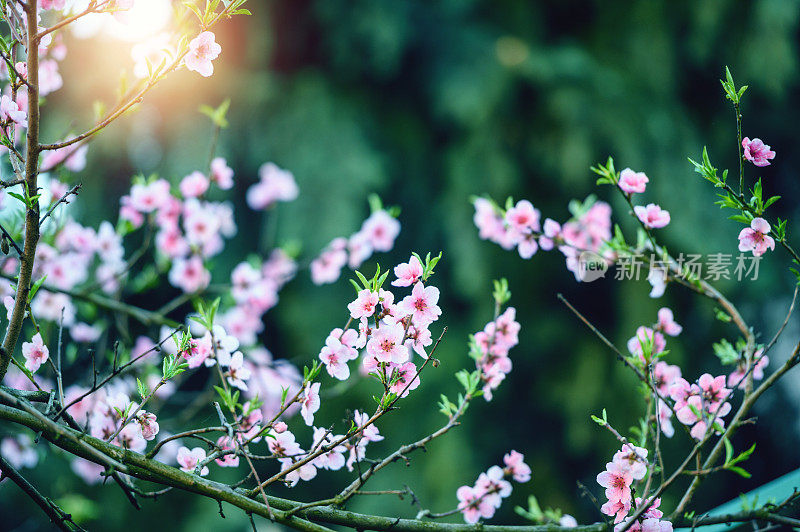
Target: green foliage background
<point x="427" y="104"/>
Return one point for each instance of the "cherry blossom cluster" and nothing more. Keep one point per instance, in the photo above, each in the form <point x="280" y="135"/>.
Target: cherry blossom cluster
<point x="490" y="348"/>
<point x="275" y="184"/>
<point x="377" y="234"/>
<point x="649" y="342"/>
<point x="652" y="216"/>
<point x="629" y="464"/>
<point x="519" y="226"/>
<point x="255" y="288"/>
<point x="69" y="255"/>
<point x="190" y="228"/>
<point x="255" y="373"/>
<point x="701" y="405"/>
<point x="737" y="377"/>
<point x="397" y="330"/>
<point x="482" y="500"/>
<point x="105" y="411"/>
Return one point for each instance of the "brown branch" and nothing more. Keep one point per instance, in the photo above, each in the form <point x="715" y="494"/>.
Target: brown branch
<point x="63" y="199"/>
<point x="32" y="212"/>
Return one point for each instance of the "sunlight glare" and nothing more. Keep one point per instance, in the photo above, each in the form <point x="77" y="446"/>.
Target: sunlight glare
<point x="143" y="20"/>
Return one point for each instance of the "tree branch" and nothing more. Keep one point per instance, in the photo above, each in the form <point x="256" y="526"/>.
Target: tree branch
<point x="58" y="516"/>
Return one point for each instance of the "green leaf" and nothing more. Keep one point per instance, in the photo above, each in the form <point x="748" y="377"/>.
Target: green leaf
<point x="142" y="388"/>
<point x="728" y="450"/>
<point x="367" y="284"/>
<point x="726" y="353"/>
<point x="721" y="315"/>
<point x="739" y="471"/>
<point x="355" y="285"/>
<point x="35" y="288"/>
<point x="217" y="115"/>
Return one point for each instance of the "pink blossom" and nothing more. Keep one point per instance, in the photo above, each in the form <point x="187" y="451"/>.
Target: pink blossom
<point x="275" y="185"/>
<point x="494" y="486"/>
<point x="202" y="50"/>
<point x="516" y="467"/>
<point x="634" y="459"/>
<point x="386" y="344"/>
<point x="408" y="273"/>
<point x="73" y="158"/>
<point x="666" y="322"/>
<point x="83" y="332"/>
<point x="645" y="336"/>
<point x="756" y="237"/>
<point x="632" y="182"/>
<point x="737" y="377"/>
<point x="658" y="282"/>
<point x="283" y="445"/>
<point x="617" y="480"/>
<point x="221" y="173"/>
<point x="130" y="437"/>
<point x="310" y="402"/>
<point x="328" y="266"/>
<point x="189" y="459"/>
<point x="171" y="243"/>
<point x="370" y="433"/>
<point x="679" y="391"/>
<point x="364" y="304"/>
<point x="237" y="372"/>
<point x="19" y="451"/>
<point x="405" y="379"/>
<point x="418" y="339"/>
<point x="665" y="419"/>
<point x="148" y="424"/>
<point x="664" y="376"/>
<point x="35" y="353"/>
<point x="198" y="351"/>
<point x="490" y="223"/>
<point x="381" y="229"/>
<point x="422" y="305"/>
<point x="90" y="472"/>
<point x="49" y="78"/>
<point x="332" y="459"/>
<point x="472" y="504"/>
<point x="523" y="217"/>
<point x="656" y="525"/>
<point x="280" y="427"/>
<point x="9" y="110"/>
<point x="551" y="230"/>
<point x="652" y="216"/>
<point x="51" y="4"/>
<point x="527" y="245"/>
<point x="616" y="508"/>
<point x="147" y="198"/>
<point x="757" y="152"/>
<point x="228" y="460"/>
<point x="305" y="472"/>
<point x="713" y="388"/>
<point x="338" y="350"/>
<point x="190" y="274"/>
<point x="194" y="185"/>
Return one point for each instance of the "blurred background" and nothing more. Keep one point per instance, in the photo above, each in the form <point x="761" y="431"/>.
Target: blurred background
<point x="427" y="104"/>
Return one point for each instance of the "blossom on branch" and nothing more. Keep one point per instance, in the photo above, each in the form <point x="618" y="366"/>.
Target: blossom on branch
<point x="202" y="51"/>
